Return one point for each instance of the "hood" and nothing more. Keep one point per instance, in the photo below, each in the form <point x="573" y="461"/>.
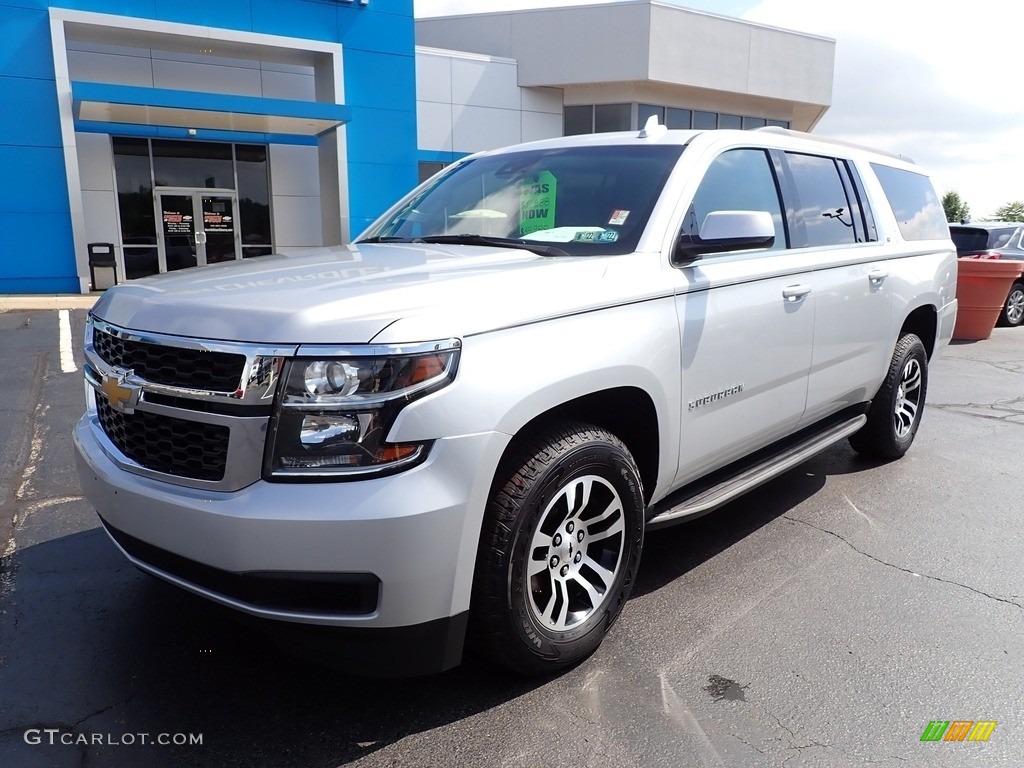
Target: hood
<point x="350" y="294"/>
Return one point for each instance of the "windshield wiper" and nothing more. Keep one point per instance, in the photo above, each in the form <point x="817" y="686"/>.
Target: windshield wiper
<point x="384" y="240"/>
<point x="501" y="242"/>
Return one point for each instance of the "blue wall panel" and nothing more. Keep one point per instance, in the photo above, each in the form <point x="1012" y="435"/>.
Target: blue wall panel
<point x="301" y="18"/>
<point x="34" y="119"/>
<point x="47" y="255"/>
<point x="380" y="80"/>
<point x="26" y="50"/>
<point x="373" y="188"/>
<point x="230" y="14"/>
<point x="34" y="180"/>
<point x="384" y="27"/>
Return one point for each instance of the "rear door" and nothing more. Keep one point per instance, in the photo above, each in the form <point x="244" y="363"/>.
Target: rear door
<point x="831" y="223"/>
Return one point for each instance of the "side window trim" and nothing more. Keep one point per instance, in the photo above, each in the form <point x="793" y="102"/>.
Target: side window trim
<point x="851" y="200"/>
<point x="868" y="217"/>
<point x="795" y="228"/>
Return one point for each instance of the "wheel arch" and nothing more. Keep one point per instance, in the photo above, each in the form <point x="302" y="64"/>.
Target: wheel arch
<point x="922" y="322"/>
<point x="628" y="413"/>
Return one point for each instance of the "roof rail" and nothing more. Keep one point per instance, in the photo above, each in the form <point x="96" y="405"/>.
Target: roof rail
<point x="838" y="142"/>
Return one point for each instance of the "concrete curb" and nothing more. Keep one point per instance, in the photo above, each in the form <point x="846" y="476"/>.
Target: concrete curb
<point x="10" y="302"/>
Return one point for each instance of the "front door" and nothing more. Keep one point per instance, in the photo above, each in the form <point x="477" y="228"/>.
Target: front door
<point x="198" y="227"/>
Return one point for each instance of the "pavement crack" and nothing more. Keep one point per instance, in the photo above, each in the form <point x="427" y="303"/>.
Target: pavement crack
<point x="98" y="712"/>
<point x="939" y="579"/>
<point x="741" y="740"/>
<point x="1001" y="410"/>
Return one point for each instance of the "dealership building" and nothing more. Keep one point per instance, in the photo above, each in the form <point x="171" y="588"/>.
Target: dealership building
<point x="140" y="137"/>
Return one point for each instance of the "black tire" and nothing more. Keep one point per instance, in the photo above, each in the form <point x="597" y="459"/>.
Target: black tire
<point x="1013" y="310"/>
<point x="895" y="412"/>
<point x="559" y="549"/>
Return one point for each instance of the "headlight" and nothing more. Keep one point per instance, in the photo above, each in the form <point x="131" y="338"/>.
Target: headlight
<point x="333" y="412"/>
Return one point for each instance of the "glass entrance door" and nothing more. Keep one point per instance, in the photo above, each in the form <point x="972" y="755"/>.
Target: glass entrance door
<point x="198" y="227"/>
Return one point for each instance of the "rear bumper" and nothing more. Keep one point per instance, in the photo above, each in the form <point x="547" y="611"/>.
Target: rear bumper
<point x="946" y="321"/>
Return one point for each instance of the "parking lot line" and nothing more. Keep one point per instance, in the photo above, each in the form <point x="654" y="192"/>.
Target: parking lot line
<point x="67" y="357"/>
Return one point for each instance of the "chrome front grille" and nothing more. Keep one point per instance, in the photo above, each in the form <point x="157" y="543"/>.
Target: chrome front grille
<point x="173" y="366"/>
<point x="165" y="444"/>
<point x="187" y="411"/>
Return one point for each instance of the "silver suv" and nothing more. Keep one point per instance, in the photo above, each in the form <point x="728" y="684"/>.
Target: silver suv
<point x="462" y="426"/>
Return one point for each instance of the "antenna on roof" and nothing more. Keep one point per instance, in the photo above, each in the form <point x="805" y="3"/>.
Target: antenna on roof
<point x="652" y="129"/>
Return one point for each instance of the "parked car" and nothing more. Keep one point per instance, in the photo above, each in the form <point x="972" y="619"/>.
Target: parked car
<point x="995" y="240"/>
<point x="463" y="424"/>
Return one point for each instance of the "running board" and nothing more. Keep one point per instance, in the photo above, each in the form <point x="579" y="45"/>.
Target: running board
<point x="703" y="499"/>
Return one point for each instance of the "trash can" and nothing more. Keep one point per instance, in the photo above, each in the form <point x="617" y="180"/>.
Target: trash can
<point x="101" y="255"/>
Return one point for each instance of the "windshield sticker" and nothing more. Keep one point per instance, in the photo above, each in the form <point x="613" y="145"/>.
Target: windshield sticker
<point x="600" y="236"/>
<point x="537" y="203"/>
<point x="618" y="218"/>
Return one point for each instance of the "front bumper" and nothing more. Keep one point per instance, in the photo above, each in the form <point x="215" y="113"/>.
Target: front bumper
<point x="414" y="535"/>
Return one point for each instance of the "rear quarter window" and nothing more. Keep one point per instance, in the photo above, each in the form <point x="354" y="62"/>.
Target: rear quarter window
<point x="913" y="200"/>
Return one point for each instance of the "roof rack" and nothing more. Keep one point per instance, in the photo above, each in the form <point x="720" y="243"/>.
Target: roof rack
<point x="838" y="142"/>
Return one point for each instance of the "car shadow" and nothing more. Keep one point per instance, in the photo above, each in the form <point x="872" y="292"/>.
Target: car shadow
<point x="670" y="553"/>
<point x="89" y="645"/>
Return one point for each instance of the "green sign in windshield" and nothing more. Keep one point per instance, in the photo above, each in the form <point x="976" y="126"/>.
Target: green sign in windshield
<point x="537" y="203"/>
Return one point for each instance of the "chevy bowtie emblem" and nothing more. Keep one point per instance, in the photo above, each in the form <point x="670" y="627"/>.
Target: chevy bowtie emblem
<point x="121" y="393"/>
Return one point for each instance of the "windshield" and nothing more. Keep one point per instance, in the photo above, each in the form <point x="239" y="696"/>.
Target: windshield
<point x="586" y="200"/>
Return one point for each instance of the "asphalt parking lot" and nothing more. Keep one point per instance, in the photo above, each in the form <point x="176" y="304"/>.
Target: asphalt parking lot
<point x="824" y="620"/>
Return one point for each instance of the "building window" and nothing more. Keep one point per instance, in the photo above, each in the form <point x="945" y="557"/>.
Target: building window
<point x="705" y="121"/>
<point x="204" y="164"/>
<point x="598" y="118"/>
<point x="578" y="119"/>
<point x="678" y="118"/>
<point x="734" y="122"/>
<point x="645" y="111"/>
<point x="135" y="202"/>
<point x="251" y="168"/>
<point x="612" y="117"/>
<point x="428" y="169"/>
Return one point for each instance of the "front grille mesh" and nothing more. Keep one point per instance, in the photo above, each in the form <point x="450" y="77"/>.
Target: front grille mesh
<point x="165" y="444"/>
<point x="173" y="366"/>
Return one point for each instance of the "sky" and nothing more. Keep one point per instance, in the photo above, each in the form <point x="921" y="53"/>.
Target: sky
<point x="910" y="77"/>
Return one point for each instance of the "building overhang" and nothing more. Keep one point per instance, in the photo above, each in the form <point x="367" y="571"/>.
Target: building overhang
<point x="128" y="104"/>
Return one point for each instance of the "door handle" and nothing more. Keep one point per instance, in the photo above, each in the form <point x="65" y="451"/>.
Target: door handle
<point x="795" y="292"/>
<point x="877" y="275"/>
<point x="200" y="238"/>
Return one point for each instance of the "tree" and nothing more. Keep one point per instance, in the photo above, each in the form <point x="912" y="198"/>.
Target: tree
<point x="1010" y="212"/>
<point x="956" y="209"/>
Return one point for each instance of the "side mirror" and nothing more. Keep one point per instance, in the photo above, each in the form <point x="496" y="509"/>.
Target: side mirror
<point x="726" y="231"/>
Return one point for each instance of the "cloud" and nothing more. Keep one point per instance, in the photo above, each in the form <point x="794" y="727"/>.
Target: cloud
<point x="929" y="85"/>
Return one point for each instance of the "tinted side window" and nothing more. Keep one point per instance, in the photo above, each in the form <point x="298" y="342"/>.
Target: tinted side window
<point x="914" y="202"/>
<point x="824" y="207"/>
<point x="738" y="180"/>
